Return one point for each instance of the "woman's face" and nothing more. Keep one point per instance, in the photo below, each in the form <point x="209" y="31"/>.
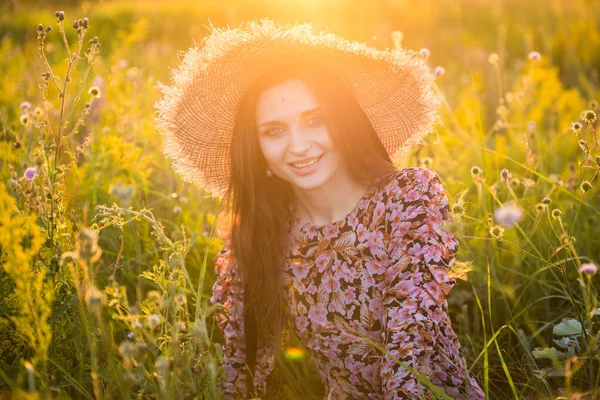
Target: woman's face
<point x="294" y="138"/>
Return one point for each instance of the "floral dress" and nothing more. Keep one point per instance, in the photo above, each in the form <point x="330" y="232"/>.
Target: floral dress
<point x="366" y="295"/>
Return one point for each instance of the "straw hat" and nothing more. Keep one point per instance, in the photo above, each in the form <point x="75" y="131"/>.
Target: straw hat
<point x="196" y="115"/>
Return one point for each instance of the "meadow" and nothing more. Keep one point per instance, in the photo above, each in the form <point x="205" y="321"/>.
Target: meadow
<point x="107" y="255"/>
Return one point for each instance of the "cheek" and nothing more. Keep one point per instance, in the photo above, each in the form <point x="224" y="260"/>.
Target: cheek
<point x="271" y="150"/>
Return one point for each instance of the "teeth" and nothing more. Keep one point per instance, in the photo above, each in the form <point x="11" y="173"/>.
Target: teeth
<point x="306" y="164"/>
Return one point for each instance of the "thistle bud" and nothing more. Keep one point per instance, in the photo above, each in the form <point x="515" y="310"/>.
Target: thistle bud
<point x="505" y="175"/>
<point x="61" y="16"/>
<point x="75" y="24"/>
<point x="547" y="200"/>
<point x="40" y="28"/>
<point x="576" y="127"/>
<point x="85" y="23"/>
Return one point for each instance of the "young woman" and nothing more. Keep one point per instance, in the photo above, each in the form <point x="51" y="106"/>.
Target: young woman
<point x="295" y="132"/>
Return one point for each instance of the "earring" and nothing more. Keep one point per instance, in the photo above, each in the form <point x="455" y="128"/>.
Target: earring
<point x="268" y="172"/>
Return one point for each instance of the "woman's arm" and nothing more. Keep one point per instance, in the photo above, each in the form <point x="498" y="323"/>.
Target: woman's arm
<point x="417" y="329"/>
<point x="228" y="291"/>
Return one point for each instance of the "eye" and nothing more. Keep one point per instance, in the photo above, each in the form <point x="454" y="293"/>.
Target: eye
<point x="315" y="121"/>
<point x="274" y="131"/>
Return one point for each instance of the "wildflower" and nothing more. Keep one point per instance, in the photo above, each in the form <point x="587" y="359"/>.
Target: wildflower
<point x="122" y="63"/>
<point x="505" y="175"/>
<point x="546" y="200"/>
<point x="556" y="213"/>
<point x="129" y="335"/>
<point x="589" y="116"/>
<point x="24" y="119"/>
<point x="94" y="91"/>
<point x="497" y="231"/>
<point x="576" y="127"/>
<point x="493" y="59"/>
<point x="25" y="105"/>
<point x="515" y="182"/>
<point x="30" y="173"/>
<point x="534" y="56"/>
<point x="176" y="209"/>
<point x="588" y="268"/>
<point x="508" y="215"/>
<point x="153" y="321"/>
<point x="585" y="186"/>
<point x="424" y="53"/>
<point x="531" y="126"/>
<point x="439" y="71"/>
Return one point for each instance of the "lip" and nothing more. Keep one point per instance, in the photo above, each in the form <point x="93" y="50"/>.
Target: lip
<point x="309" y="169"/>
<point x="304" y="160"/>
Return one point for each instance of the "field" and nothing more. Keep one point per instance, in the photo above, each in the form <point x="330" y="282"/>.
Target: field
<point x="107" y="255"/>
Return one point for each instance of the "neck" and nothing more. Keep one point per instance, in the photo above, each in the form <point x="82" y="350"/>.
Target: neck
<point x="330" y="203"/>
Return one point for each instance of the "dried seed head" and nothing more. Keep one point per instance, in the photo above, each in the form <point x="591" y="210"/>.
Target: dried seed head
<point x="458" y="208"/>
<point x="497" y="231"/>
<point x="476" y="171"/>
<point x="515" y="182"/>
<point x="75" y="24"/>
<point x="546" y="200"/>
<point x="493" y="59"/>
<point x="426" y="162"/>
<point x="40" y="28"/>
<point x="589" y="116"/>
<point x="505" y="175"/>
<point x="556" y="213"/>
<point x="540" y="208"/>
<point x="576" y="127"/>
<point x="24" y="119"/>
<point x="585" y="186"/>
<point x="94" y="91"/>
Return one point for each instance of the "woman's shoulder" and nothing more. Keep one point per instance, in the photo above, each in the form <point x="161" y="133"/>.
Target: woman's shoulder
<point x="410" y="182"/>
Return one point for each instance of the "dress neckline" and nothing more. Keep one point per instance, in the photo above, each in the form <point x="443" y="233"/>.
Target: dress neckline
<point x="373" y="188"/>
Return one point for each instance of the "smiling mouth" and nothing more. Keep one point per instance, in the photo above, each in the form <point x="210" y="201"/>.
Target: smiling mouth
<point x="306" y="164"/>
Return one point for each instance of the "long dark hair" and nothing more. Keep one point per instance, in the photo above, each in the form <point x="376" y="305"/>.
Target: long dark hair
<point x="257" y="206"/>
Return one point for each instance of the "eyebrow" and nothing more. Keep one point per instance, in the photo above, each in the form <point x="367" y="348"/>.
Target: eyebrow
<point x="304" y="113"/>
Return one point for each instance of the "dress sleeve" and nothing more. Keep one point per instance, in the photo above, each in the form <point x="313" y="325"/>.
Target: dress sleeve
<point x="416" y="327"/>
<point x="228" y="291"/>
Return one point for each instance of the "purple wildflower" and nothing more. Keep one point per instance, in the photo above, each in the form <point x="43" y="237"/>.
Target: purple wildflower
<point x="588" y="268"/>
<point x="30" y="173"/>
<point x="439" y="71"/>
<point x="25" y="105"/>
<point x="534" y="56"/>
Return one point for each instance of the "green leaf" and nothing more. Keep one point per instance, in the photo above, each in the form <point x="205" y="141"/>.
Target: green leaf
<point x="552" y="353"/>
<point x="567" y="327"/>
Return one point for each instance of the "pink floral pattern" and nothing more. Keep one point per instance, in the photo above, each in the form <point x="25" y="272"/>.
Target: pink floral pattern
<point x="380" y="273"/>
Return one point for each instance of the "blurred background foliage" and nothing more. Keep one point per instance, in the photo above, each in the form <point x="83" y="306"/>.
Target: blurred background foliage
<point x="116" y="298"/>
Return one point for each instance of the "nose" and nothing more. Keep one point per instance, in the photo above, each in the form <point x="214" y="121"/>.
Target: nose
<point x="299" y="144"/>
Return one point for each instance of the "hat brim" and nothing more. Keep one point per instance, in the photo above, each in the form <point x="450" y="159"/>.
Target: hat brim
<point x="196" y="115"/>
